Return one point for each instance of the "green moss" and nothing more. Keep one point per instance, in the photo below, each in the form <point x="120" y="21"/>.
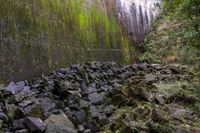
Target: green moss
<point x="37" y="33"/>
<point x="66" y="18"/>
<point x="36" y="111"/>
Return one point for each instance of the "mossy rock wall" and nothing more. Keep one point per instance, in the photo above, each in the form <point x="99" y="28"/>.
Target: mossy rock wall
<point x="40" y="35"/>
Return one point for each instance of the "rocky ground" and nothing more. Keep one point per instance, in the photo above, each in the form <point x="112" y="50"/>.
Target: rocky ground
<point x="103" y="97"/>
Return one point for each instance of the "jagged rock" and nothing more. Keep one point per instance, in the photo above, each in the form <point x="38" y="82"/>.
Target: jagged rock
<point x="150" y="77"/>
<point x="75" y="93"/>
<point x="83" y="104"/>
<point x="87" y="131"/>
<point x="22" y="131"/>
<point x="2" y="87"/>
<point x="23" y="94"/>
<point x="160" y="99"/>
<point x="18" y="124"/>
<point x="104" y="88"/>
<point x="96" y="98"/>
<point x="15" y="88"/>
<point x="47" y="105"/>
<point x="34" y="110"/>
<point x="65" y="86"/>
<point x="68" y="112"/>
<point x="88" y="90"/>
<point x="179" y="114"/>
<point x="143" y="92"/>
<point x="34" y="124"/>
<point x="25" y="103"/>
<point x="59" y="124"/>
<point x="78" y="117"/>
<point x="13" y="111"/>
<point x="89" y="94"/>
<point x="94" y="112"/>
<point x="81" y="128"/>
<point x="93" y="126"/>
<point x="108" y="110"/>
<point x="103" y="120"/>
<point x="3" y="116"/>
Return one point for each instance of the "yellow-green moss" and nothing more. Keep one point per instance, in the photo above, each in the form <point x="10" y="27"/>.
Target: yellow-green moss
<point x="39" y="35"/>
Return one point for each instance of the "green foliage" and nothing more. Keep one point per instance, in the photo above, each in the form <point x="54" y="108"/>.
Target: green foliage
<point x="170" y="6"/>
<point x="177" y="31"/>
<point x="191" y="8"/>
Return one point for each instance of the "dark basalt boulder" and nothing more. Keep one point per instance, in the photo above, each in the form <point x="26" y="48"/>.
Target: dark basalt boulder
<point x="96" y="98"/>
<point x="35" y="124"/>
<point x="59" y="124"/>
<point x="22" y="131"/>
<point x="19" y="124"/>
<point x="91" y="95"/>
<point x="15" y="88"/>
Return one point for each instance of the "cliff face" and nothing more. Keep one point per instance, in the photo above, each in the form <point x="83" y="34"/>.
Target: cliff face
<point x="137" y="16"/>
<point x="40" y="35"/>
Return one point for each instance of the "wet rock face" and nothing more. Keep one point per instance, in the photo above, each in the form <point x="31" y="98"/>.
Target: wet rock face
<point x="137" y="16"/>
<point x="83" y="97"/>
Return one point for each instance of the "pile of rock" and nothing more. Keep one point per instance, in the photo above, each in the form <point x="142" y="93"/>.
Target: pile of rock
<point x="81" y="98"/>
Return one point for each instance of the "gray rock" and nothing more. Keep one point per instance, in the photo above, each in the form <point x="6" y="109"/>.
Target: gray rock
<point x="3" y="117"/>
<point x="59" y="124"/>
<point x="88" y="90"/>
<point x="23" y="94"/>
<point x="22" y="131"/>
<point x="94" y="112"/>
<point x="159" y="99"/>
<point x="150" y="77"/>
<point x="96" y="98"/>
<point x="87" y="131"/>
<point x="12" y="111"/>
<point x="18" y="124"/>
<point x="81" y="128"/>
<point x="2" y="87"/>
<point x="103" y="120"/>
<point x="83" y="104"/>
<point x="34" y="110"/>
<point x="34" y="124"/>
<point x="68" y="112"/>
<point x="80" y="116"/>
<point x="109" y="109"/>
<point x="25" y="103"/>
<point x="104" y="88"/>
<point x="15" y="88"/>
<point x="47" y="105"/>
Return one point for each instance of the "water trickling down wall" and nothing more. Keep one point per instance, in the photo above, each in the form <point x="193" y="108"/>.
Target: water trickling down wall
<point x="137" y="16"/>
<point x="38" y="36"/>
